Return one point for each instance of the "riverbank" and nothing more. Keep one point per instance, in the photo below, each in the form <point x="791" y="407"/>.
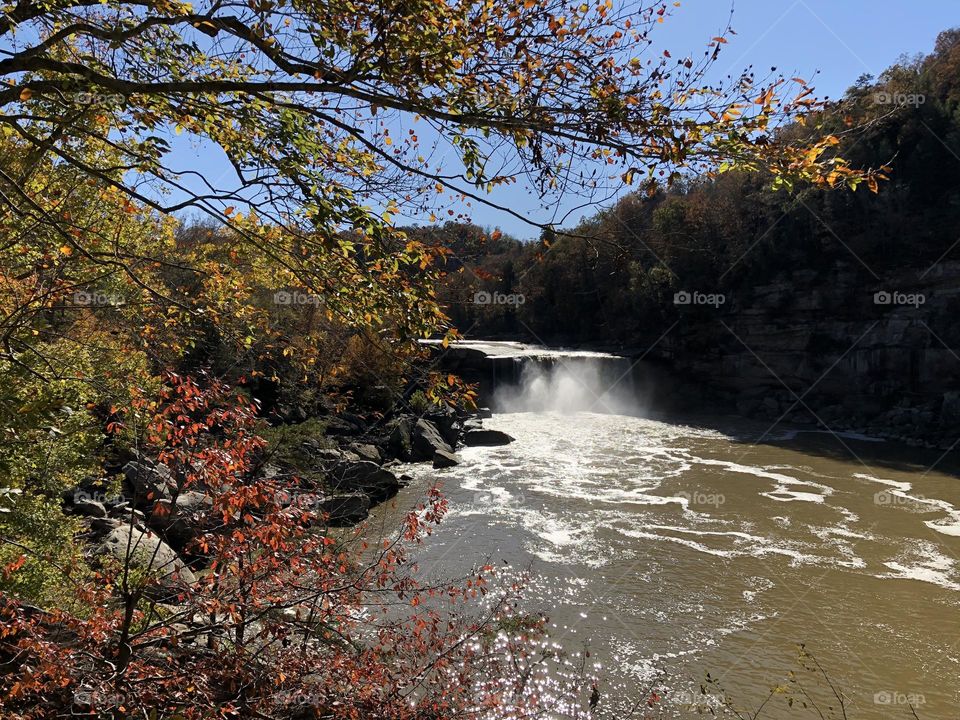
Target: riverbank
<point x="332" y="469"/>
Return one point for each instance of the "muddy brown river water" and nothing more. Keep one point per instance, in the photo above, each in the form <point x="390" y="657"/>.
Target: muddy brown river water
<point x="672" y="548"/>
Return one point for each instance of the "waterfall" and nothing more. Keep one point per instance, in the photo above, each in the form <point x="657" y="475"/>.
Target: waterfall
<point x="569" y="383"/>
<point x="514" y="377"/>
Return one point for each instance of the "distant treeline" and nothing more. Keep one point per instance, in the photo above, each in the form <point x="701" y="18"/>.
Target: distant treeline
<point x="613" y="278"/>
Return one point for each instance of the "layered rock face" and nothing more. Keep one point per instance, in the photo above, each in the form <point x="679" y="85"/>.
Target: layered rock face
<point x="840" y="349"/>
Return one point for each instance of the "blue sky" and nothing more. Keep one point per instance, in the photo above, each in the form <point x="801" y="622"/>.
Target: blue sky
<point x="832" y="42"/>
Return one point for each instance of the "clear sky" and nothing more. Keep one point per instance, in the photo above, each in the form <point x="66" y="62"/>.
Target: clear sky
<point x="832" y="42"/>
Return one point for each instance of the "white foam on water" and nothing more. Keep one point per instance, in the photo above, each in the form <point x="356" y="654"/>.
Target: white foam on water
<point x="927" y="564"/>
<point x="785" y="490"/>
<point x="902" y="486"/>
<point x="784" y="495"/>
<point x="604" y="498"/>
<point x="948" y="525"/>
<point x="744" y="544"/>
<point x="760" y="585"/>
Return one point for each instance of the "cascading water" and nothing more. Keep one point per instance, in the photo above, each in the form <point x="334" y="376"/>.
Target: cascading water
<point x="569" y="384"/>
<point x="523" y="378"/>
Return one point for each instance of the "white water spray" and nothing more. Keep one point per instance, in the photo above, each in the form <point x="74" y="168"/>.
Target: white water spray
<point x="569" y="384"/>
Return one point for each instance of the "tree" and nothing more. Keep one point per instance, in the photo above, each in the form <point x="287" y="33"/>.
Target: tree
<point x="301" y="622"/>
<point x="325" y="110"/>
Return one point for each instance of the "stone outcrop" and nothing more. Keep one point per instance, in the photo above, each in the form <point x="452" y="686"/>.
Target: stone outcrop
<point x="426" y="439"/>
<point x="444" y="459"/>
<point x="486" y="438"/>
<point x="362" y="476"/>
<point x="880" y="357"/>
<point x="146" y="552"/>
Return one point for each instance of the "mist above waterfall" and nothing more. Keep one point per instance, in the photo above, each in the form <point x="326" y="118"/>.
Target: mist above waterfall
<point x="569" y="384"/>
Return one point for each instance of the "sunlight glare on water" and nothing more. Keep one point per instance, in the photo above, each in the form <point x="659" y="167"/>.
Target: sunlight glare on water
<point x="683" y="548"/>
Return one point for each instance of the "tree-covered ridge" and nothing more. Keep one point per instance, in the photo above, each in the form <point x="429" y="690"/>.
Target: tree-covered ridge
<point x="612" y="278"/>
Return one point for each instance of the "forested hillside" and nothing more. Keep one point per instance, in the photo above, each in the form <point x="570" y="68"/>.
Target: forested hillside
<point x="833" y="308"/>
<point x="612" y="278"/>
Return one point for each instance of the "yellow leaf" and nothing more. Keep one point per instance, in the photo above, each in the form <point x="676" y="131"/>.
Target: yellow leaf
<point x="26" y="94"/>
<point x="66" y="250"/>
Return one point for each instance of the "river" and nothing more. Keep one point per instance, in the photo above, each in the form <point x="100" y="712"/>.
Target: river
<point x="673" y="547"/>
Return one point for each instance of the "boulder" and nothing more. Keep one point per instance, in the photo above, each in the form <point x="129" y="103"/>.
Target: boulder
<point x="148" y="483"/>
<point x="193" y="502"/>
<point x="147" y="553"/>
<point x="344" y="509"/>
<point x="472" y="423"/>
<point x="365" y="451"/>
<point x="448" y="423"/>
<point x="319" y="451"/>
<point x="125" y="513"/>
<point x="90" y="508"/>
<point x="102" y="526"/>
<point x="182" y="520"/>
<point x="426" y="440"/>
<point x="345" y="424"/>
<point x="444" y="459"/>
<point x="486" y="438"/>
<point x="401" y="441"/>
<point x="340" y="509"/>
<point x="362" y="476"/>
<point x="291" y="414"/>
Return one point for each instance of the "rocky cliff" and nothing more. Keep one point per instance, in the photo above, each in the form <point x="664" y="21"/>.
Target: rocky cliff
<point x="843" y="349"/>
